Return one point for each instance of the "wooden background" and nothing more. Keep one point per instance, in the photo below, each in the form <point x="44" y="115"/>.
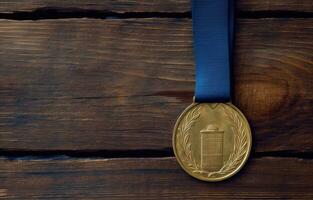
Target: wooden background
<point x="90" y="91"/>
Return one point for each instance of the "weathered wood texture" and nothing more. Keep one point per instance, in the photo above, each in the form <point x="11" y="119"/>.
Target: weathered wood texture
<point x="90" y="84"/>
<point x="10" y="6"/>
<point x="119" y="84"/>
<point x="154" y="179"/>
<point x="276" y="5"/>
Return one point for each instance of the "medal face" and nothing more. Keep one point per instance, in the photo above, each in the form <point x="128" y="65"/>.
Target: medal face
<point x="212" y="141"/>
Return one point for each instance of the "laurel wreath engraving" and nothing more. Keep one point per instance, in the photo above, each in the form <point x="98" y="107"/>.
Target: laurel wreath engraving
<point x="240" y="144"/>
<point x="239" y="148"/>
<point x="184" y="137"/>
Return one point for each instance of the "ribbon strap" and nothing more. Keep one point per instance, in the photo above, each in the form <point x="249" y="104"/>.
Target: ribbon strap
<point x="213" y="40"/>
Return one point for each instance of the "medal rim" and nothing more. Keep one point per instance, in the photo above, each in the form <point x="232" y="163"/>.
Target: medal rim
<point x="245" y="159"/>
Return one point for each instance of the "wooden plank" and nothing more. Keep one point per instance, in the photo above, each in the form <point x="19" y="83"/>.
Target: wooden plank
<point x="121" y="6"/>
<point x="154" y="179"/>
<point x="109" y="5"/>
<point x="276" y="5"/>
<point x="78" y="84"/>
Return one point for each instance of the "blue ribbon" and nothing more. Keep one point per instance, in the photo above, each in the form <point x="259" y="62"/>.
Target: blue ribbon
<point x="213" y="25"/>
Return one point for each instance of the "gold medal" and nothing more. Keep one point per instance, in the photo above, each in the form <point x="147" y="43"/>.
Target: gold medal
<point x="212" y="141"/>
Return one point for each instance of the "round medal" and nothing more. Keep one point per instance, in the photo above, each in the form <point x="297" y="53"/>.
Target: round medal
<point x="212" y="141"/>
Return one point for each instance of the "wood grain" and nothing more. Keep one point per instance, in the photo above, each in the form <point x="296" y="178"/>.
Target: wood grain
<point x="276" y="5"/>
<point x="121" y="6"/>
<point x="83" y="84"/>
<point x="154" y="179"/>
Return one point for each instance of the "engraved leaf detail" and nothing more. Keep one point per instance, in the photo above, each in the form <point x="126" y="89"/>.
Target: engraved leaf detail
<point x="240" y="144"/>
<point x="184" y="137"/>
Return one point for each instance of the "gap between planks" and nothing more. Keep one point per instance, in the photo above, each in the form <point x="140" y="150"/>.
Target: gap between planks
<point x="58" y="13"/>
<point x="126" y="154"/>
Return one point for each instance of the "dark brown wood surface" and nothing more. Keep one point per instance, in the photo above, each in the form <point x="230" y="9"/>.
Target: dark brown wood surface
<point x="153" y="179"/>
<point x="88" y="103"/>
<point x="66" y="81"/>
<point x="9" y="6"/>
